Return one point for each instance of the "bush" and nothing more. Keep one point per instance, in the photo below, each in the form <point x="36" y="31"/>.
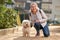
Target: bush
<point x="7" y="17"/>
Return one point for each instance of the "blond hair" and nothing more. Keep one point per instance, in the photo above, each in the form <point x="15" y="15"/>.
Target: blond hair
<point x="34" y="3"/>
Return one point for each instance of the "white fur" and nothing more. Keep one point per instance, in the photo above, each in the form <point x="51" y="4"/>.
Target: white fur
<point x="26" y="29"/>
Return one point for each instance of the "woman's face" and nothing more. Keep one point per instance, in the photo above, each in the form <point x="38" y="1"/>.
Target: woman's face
<point x="33" y="8"/>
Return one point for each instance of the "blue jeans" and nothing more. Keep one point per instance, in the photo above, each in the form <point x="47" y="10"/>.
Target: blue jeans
<point x="45" y="29"/>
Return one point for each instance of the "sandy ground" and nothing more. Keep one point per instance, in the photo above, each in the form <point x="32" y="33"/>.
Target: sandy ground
<point x="54" y="35"/>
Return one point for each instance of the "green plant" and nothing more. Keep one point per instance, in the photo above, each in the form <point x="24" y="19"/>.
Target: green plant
<point x="2" y="2"/>
<point x="9" y="2"/>
<point x="7" y="17"/>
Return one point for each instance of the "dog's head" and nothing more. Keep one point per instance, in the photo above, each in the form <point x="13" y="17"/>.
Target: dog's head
<point x="26" y="23"/>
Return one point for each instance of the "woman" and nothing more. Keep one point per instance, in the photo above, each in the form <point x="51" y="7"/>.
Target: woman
<point x="39" y="19"/>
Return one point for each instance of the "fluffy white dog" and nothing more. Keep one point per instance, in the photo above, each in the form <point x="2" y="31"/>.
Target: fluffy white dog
<point x="26" y="27"/>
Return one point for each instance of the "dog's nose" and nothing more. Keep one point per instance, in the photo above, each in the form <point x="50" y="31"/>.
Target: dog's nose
<point x="26" y="24"/>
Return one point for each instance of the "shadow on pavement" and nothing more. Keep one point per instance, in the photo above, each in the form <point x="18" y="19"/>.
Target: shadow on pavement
<point x="28" y="38"/>
<point x="38" y="38"/>
<point x="56" y="30"/>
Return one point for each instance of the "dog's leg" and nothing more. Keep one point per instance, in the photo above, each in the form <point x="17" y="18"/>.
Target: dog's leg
<point x="28" y="34"/>
<point x="24" y="34"/>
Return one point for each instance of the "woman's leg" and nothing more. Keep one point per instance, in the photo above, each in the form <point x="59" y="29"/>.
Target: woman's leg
<point x="37" y="27"/>
<point x="46" y="31"/>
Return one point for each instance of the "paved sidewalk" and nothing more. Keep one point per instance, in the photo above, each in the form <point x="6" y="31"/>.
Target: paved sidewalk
<point x="54" y="34"/>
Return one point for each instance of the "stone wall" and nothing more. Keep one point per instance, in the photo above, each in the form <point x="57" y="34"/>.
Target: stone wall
<point x="8" y="31"/>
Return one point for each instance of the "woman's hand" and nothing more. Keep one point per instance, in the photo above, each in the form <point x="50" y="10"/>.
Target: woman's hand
<point x="37" y="21"/>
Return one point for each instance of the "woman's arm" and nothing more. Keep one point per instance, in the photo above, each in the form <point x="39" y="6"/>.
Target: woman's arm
<point x="44" y="17"/>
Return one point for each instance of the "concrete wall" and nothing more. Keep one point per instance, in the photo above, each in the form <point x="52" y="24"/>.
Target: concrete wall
<point x="56" y="8"/>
